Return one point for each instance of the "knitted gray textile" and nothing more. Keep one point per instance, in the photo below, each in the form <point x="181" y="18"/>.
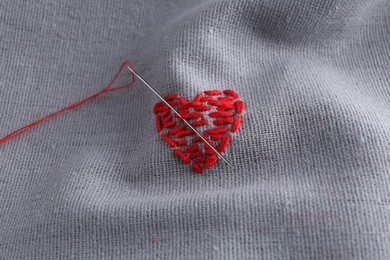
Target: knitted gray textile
<point x="312" y="158"/>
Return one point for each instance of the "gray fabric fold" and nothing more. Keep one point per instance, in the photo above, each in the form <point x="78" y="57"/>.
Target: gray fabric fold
<point x="312" y="158"/>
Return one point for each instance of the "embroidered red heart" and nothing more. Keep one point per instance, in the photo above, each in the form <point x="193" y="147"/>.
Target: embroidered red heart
<point x="214" y="113"/>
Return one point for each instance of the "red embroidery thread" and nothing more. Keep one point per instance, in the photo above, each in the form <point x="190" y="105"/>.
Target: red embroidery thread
<point x="222" y="108"/>
<point x="108" y="88"/>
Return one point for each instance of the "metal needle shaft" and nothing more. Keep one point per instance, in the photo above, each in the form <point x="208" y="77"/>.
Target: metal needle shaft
<point x="177" y="113"/>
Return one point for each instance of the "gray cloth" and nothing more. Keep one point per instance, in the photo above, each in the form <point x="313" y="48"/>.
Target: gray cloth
<point x="312" y="158"/>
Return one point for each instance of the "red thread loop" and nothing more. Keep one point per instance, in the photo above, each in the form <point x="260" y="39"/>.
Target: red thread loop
<point x="108" y="88"/>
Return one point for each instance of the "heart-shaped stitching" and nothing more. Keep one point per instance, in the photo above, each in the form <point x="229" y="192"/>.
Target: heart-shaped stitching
<point x="216" y="114"/>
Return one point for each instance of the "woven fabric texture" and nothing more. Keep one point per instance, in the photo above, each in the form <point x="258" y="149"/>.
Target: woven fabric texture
<point x="311" y="176"/>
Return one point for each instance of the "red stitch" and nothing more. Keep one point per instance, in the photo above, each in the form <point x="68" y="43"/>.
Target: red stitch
<point x="182" y="100"/>
<point x="209" y="151"/>
<point x="191" y="148"/>
<point x="165" y="113"/>
<point x="167" y="119"/>
<point x="169" y="124"/>
<point x="156" y="106"/>
<point x="224" y="108"/>
<point x="200" y="122"/>
<point x="158" y="124"/>
<point x="206" y="99"/>
<point x="223" y="121"/>
<point x="170" y="97"/>
<point x="197" y="140"/>
<point x="182" y="112"/>
<point x="221" y="114"/>
<point x="202" y="108"/>
<point x="163" y="108"/>
<point x="217" y="137"/>
<point x="227" y="98"/>
<point x="196" y="167"/>
<point x="173" y="103"/>
<point x="177" y="129"/>
<point x="219" y="130"/>
<point x="182" y="142"/>
<point x="236" y="124"/>
<point x="190" y="104"/>
<point x="182" y="156"/>
<point x="231" y="93"/>
<point x="239" y="106"/>
<point x="200" y="160"/>
<point x="184" y="133"/>
<point x="224" y="143"/>
<point x="168" y="140"/>
<point x="192" y="115"/>
<point x="195" y="154"/>
<point x="196" y="103"/>
<point x="213" y="92"/>
<point x="222" y="103"/>
<point x="210" y="161"/>
<point x="198" y="98"/>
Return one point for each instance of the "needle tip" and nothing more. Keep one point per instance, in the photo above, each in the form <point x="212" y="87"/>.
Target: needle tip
<point x="226" y="161"/>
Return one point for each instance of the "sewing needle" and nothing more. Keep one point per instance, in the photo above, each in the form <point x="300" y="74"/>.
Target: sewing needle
<point x="177" y="113"/>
